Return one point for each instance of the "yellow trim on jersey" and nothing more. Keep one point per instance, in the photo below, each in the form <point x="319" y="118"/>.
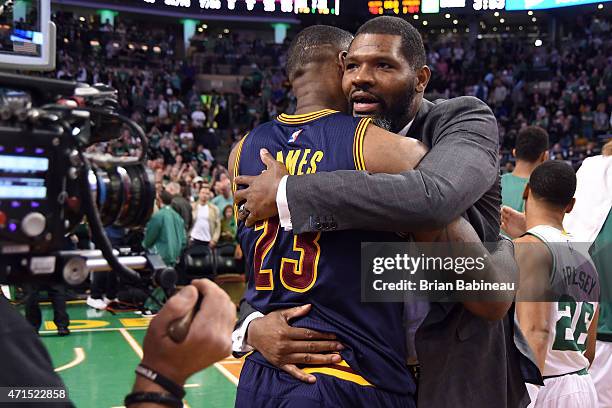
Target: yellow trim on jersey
<point x="360" y="132"/>
<point x="338" y="373"/>
<point x="247" y="354"/>
<point x="301" y="119"/>
<point x="236" y="174"/>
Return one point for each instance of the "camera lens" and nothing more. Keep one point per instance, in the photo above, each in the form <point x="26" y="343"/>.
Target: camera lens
<point x="125" y="194"/>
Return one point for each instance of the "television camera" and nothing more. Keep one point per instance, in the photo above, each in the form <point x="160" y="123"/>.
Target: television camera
<point x="51" y="179"/>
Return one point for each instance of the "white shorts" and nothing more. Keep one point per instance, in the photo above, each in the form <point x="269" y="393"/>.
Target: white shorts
<point x="601" y="371"/>
<point x="568" y="391"/>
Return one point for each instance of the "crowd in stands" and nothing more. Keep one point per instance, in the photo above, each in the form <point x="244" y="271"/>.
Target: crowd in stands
<point x="565" y="90"/>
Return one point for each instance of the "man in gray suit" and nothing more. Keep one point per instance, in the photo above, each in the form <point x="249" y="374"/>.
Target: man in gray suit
<point x="477" y="363"/>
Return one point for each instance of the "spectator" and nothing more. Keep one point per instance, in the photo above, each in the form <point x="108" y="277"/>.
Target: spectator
<point x="531" y="150"/>
<point x="225" y="197"/>
<point x="207" y="226"/>
<point x="228" y="226"/>
<point x="180" y="204"/>
<point x="165" y="232"/>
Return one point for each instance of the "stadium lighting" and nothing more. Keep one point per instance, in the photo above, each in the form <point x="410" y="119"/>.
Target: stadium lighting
<point x="467" y="30"/>
<point x="479" y="36"/>
<point x="520" y="28"/>
<point x="447" y="15"/>
<point x="496" y="14"/>
<point x="495" y="29"/>
<point x="538" y="43"/>
<point x="205" y="26"/>
<point x="425" y="22"/>
<point x="226" y="31"/>
<point x="600" y="6"/>
<point x="156" y="49"/>
<point x="82" y="19"/>
<point x="145" y="48"/>
<point x="455" y="22"/>
<point x="442" y="31"/>
<point x="66" y="40"/>
<point x="530" y="13"/>
<point x="501" y="20"/>
<point x="416" y="16"/>
<point x="200" y="30"/>
<point x="454" y="30"/>
<point x="131" y="46"/>
<point x="534" y="19"/>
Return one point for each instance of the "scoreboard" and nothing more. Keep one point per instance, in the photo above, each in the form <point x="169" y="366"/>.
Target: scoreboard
<point x="236" y="8"/>
<point x="402" y="7"/>
<point x="253" y="6"/>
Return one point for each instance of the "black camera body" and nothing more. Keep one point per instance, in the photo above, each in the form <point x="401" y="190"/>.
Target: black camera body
<point x="49" y="181"/>
<point x="34" y="188"/>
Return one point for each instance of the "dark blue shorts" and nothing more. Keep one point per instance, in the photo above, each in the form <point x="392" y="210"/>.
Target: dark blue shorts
<point x="261" y="386"/>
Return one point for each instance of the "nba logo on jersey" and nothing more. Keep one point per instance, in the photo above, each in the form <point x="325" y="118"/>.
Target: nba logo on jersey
<point x="295" y="135"/>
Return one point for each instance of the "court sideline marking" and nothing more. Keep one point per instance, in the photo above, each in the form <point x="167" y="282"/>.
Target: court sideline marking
<point x="79" y="354"/>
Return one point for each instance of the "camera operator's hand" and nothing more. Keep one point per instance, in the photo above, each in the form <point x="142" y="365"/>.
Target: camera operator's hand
<point x="208" y="340"/>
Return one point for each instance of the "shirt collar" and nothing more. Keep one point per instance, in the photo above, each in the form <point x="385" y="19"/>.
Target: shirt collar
<point x="405" y="130"/>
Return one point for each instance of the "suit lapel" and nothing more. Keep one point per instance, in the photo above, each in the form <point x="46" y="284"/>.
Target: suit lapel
<point x="416" y="130"/>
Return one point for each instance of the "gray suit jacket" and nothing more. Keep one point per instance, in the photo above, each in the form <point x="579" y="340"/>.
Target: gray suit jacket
<point x="459" y="176"/>
<point x="466" y="361"/>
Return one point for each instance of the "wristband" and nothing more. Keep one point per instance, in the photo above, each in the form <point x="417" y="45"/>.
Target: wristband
<point x="153" y="397"/>
<point x="164" y="382"/>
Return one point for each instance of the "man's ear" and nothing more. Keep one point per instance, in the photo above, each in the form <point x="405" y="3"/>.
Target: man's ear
<point x="423" y="76"/>
<point x="513" y="152"/>
<point x="526" y="192"/>
<point x="545" y="156"/>
<point x="341" y="58"/>
<point x="570" y="206"/>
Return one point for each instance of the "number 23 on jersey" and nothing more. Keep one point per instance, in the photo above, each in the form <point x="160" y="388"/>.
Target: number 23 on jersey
<point x="298" y="271"/>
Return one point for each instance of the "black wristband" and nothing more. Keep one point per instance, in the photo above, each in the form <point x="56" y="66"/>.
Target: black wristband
<point x="153" y="397"/>
<point x="169" y="385"/>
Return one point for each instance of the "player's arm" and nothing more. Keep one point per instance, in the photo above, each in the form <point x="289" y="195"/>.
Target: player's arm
<point x="386" y="152"/>
<point x="592" y="338"/>
<point x="498" y="265"/>
<point x="535" y="263"/>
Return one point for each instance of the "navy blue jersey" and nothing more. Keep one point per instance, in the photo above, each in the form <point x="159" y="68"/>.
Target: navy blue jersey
<point x="323" y="269"/>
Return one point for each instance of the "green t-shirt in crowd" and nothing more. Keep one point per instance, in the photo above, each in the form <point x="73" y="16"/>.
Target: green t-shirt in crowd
<point x="165" y="235"/>
<point x="512" y="188"/>
<point x="601" y="253"/>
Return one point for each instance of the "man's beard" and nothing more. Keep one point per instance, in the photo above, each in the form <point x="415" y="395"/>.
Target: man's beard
<point x="393" y="117"/>
<point x="382" y="123"/>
